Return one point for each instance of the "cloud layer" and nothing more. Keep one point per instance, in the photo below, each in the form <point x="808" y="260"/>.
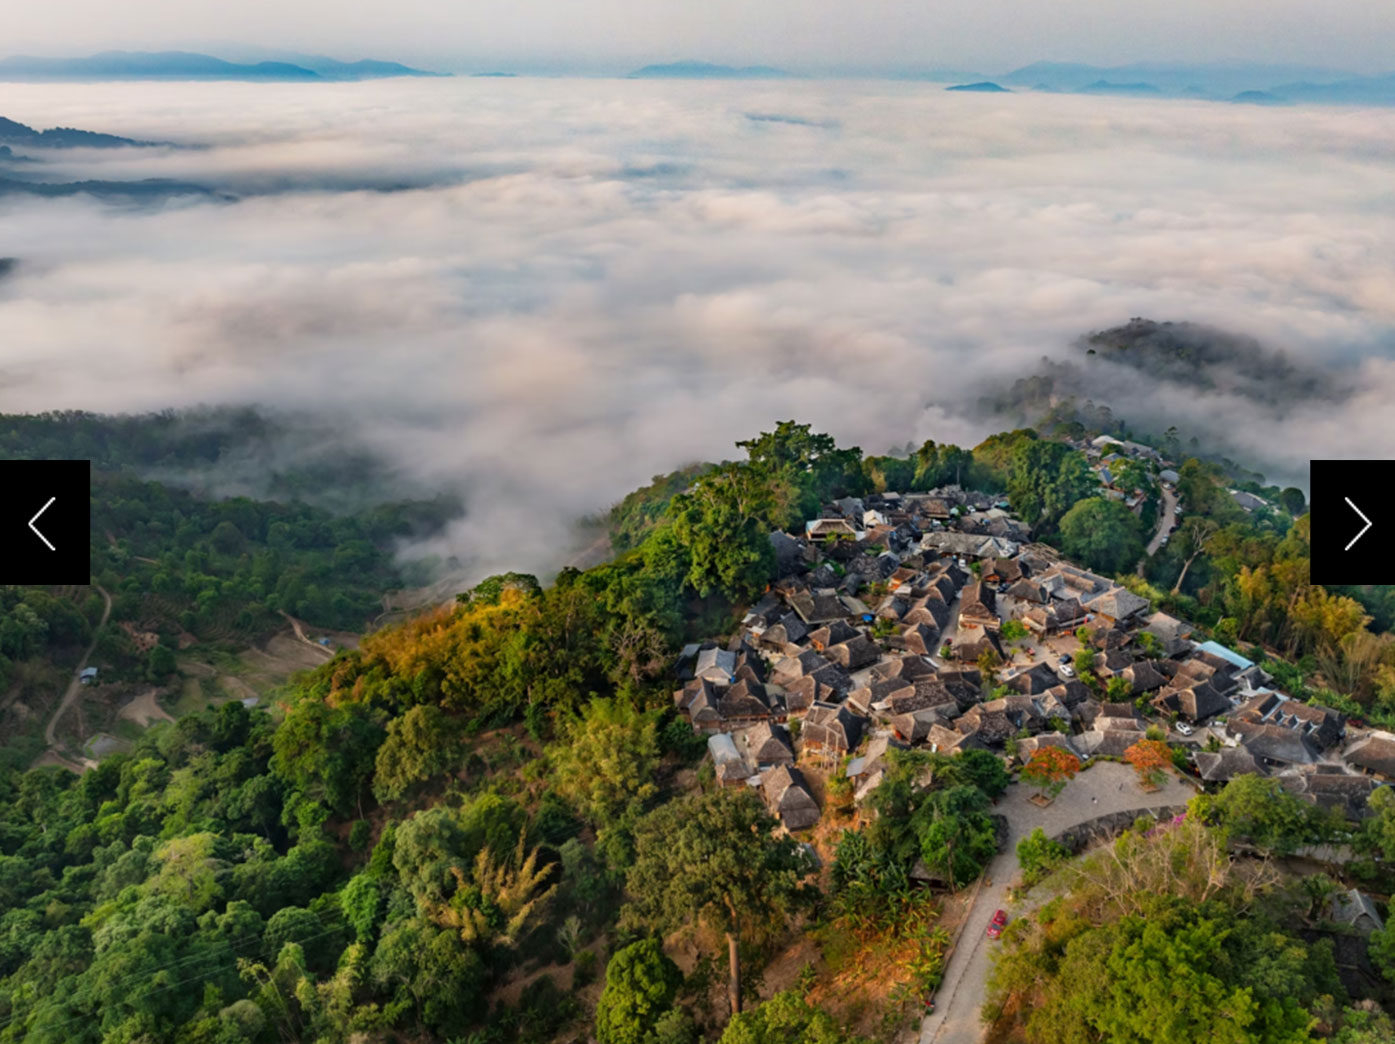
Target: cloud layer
<point x="550" y="290"/>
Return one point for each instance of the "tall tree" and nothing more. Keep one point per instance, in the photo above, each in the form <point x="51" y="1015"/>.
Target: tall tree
<point x="724" y="526"/>
<point x="640" y="984"/>
<point x="1104" y="534"/>
<point x="605" y="766"/>
<point x="712" y="857"/>
<point x="1197" y="531"/>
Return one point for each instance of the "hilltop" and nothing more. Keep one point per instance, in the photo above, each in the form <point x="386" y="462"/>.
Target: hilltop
<point x="14" y="133"/>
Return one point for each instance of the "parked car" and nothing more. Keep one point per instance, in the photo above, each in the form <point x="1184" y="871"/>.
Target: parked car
<point x="1065" y="670"/>
<point x="995" y="926"/>
<point x="1186" y="728"/>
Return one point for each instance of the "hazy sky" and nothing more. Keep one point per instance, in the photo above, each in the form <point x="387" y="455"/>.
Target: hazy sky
<point x="992" y="35"/>
<point x="597" y="280"/>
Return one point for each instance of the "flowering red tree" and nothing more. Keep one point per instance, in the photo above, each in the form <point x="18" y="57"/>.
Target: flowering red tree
<point x="1151" y="759"/>
<point x="1049" y="769"/>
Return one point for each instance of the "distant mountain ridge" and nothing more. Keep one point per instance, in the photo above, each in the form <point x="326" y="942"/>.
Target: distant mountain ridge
<point x="1247" y="83"/>
<point x="982" y="86"/>
<point x="189" y="65"/>
<point x="691" y="70"/>
<point x="15" y="133"/>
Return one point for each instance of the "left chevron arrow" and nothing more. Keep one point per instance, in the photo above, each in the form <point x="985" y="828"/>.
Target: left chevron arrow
<point x="36" y="528"/>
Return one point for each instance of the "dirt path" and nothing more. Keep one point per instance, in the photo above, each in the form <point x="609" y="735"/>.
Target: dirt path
<point x="300" y="633"/>
<point x="52" y="757"/>
<point x="1103" y="788"/>
<point x="75" y="686"/>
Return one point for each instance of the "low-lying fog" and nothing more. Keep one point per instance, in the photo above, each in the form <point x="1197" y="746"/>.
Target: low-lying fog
<point x="542" y="292"/>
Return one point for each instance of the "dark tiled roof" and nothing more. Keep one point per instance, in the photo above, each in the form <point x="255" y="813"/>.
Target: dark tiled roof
<point x="832" y="728"/>
<point x="745" y="699"/>
<point x="1373" y="754"/>
<point x="1221" y="765"/>
<point x="1037" y="679"/>
<point x="788" y="797"/>
<point x="769" y="743"/>
<point x="1274" y="742"/>
<point x="832" y="634"/>
<point x="921" y="639"/>
<point x="1195" y="702"/>
<point x="1145" y="677"/>
<point x="855" y="653"/>
<point x="800" y="695"/>
<point x="908" y="667"/>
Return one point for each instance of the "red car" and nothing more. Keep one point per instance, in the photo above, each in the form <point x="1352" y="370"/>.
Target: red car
<point x="995" y="926"/>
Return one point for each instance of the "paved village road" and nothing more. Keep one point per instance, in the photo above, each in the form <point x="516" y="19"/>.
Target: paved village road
<point x="1166" y="521"/>
<point x="1103" y="788"/>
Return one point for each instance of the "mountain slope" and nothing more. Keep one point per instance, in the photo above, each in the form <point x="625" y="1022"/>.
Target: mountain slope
<point x="14" y="133"/>
<point x="188" y="65"/>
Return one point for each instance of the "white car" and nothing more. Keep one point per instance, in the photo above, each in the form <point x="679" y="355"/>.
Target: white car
<point x="1185" y="728"/>
<point x="1065" y="670"/>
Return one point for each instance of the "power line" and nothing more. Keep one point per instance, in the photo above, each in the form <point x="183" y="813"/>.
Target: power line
<point x="194" y="959"/>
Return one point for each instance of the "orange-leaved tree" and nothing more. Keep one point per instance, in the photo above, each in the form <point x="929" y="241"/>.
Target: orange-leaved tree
<point x="1150" y="758"/>
<point x="1049" y="769"/>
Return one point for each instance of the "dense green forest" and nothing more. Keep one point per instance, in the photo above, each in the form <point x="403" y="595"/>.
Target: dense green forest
<point x="1163" y="938"/>
<point x="484" y="824"/>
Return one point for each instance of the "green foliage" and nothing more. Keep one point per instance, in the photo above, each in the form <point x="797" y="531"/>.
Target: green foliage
<point x="711" y="857"/>
<point x="1365" y="1025"/>
<point x="327" y="752"/>
<point x="786" y="1018"/>
<point x="1381" y="949"/>
<point x="722" y="528"/>
<point x="1103" y="534"/>
<point x="605" y="765"/>
<point x="1258" y="810"/>
<point x="932" y="808"/>
<point x="640" y="985"/>
<point x="1045" y="480"/>
<point x="643" y="510"/>
<point x="1038" y="855"/>
<point x="1012" y="631"/>
<point x="1379" y="829"/>
<point x="226" y="567"/>
<point x="1158" y="940"/>
<point x="421" y="744"/>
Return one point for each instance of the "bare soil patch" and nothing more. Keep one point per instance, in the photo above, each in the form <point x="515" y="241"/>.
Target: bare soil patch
<point x="145" y="709"/>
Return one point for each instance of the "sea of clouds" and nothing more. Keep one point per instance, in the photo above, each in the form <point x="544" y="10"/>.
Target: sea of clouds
<point x="542" y="292"/>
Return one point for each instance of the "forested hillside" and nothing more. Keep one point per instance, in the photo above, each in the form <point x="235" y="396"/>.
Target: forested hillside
<point x="485" y="824"/>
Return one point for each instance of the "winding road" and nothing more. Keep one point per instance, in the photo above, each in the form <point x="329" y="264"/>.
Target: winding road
<point x="75" y="686"/>
<point x="1166" y="521"/>
<point x="1103" y="788"/>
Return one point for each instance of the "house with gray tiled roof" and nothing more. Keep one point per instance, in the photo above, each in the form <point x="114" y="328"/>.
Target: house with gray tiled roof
<point x="788" y="798"/>
<point x="1373" y="754"/>
<point x="832" y="728"/>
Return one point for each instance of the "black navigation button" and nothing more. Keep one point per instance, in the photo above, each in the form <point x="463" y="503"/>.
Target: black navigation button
<point x="1353" y="521"/>
<point x="45" y="522"/>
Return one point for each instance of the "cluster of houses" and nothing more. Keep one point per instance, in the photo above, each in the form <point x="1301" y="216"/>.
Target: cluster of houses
<point x="885" y="631"/>
<point x="1106" y="454"/>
